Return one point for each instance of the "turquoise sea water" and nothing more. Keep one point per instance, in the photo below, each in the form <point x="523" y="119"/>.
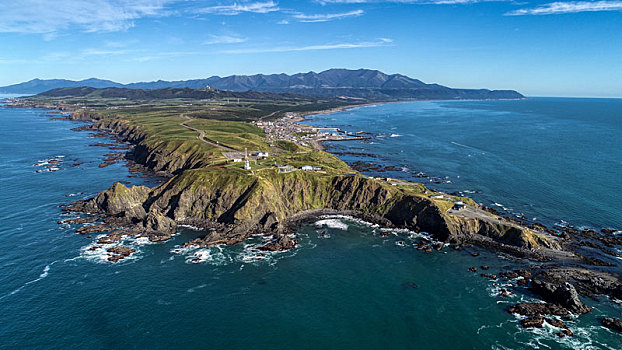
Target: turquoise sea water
<point x="352" y="289"/>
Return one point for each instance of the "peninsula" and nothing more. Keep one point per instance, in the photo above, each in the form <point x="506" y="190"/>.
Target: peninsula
<point x="239" y="164"/>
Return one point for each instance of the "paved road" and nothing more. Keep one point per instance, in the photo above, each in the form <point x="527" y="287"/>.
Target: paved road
<point x="202" y="135"/>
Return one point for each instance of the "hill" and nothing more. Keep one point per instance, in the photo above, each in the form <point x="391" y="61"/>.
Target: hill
<point x="361" y="83"/>
<point x="158" y="94"/>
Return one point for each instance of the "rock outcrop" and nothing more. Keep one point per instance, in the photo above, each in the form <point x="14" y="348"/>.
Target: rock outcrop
<point x="615" y="324"/>
<point x="279" y="243"/>
<point x="564" y="295"/>
<point x="238" y="204"/>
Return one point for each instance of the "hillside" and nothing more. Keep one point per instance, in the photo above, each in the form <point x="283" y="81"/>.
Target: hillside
<point x="361" y="83"/>
<point x="159" y="94"/>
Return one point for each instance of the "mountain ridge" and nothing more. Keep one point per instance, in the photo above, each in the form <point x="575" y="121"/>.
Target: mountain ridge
<point x="360" y="83"/>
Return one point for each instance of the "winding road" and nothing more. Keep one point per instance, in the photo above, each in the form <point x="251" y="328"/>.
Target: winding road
<point x="202" y="134"/>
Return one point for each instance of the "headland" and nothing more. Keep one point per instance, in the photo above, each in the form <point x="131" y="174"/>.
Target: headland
<point x="245" y="167"/>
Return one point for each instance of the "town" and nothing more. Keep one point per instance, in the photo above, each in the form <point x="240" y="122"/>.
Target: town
<point x="288" y="128"/>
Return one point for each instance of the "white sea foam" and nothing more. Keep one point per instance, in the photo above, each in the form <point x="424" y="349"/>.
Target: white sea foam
<point x="98" y="252"/>
<point x="193" y="289"/>
<point x="396" y="135"/>
<point x="350" y="218"/>
<point x="332" y="223"/>
<point x="191" y="227"/>
<point x="43" y="275"/>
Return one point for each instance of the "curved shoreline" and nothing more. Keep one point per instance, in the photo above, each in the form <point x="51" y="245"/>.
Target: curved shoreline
<point x="593" y="275"/>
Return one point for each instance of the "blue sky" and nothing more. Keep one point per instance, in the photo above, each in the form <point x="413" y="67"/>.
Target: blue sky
<point x="540" y="48"/>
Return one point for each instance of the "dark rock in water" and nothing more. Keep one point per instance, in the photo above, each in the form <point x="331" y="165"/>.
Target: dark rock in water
<point x="475" y="254"/>
<point x="92" y="228"/>
<point x="564" y="295"/>
<point x="523" y="273"/>
<point x="568" y="297"/>
<point x="473" y="269"/>
<point x="543" y="288"/>
<point x="484" y="267"/>
<point x="608" y="230"/>
<point x="78" y="221"/>
<point x="532" y="322"/>
<point x="119" y="253"/>
<point x="615" y="324"/>
<point x="522" y="281"/>
<point x="279" y="243"/>
<point x="121" y="250"/>
<point x="505" y="292"/>
<point x="510" y="275"/>
<point x="537" y="309"/>
<point x="409" y="285"/>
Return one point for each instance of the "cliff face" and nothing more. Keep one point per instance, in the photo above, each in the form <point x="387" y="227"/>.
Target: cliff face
<point x="162" y="156"/>
<point x="236" y="204"/>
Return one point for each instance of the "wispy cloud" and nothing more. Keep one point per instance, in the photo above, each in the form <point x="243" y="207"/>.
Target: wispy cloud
<point x="48" y="17"/>
<point x="237" y="8"/>
<point x="224" y="39"/>
<point x="325" y="17"/>
<point x="166" y="54"/>
<point x="421" y="2"/>
<point x="103" y="52"/>
<point x="364" y="44"/>
<point x="555" y="8"/>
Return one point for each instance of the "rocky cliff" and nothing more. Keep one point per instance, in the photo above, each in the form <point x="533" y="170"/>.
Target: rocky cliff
<point x="236" y="204"/>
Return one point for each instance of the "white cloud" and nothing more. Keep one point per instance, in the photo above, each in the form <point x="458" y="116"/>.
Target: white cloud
<point x="49" y="16"/>
<point x="569" y="7"/>
<point x="365" y="44"/>
<point x="224" y="39"/>
<point x="421" y="2"/>
<point x="327" y="16"/>
<point x="102" y="52"/>
<point x="237" y="8"/>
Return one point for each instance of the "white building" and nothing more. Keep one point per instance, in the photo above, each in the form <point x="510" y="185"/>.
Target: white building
<point x="307" y="168"/>
<point x="247" y="165"/>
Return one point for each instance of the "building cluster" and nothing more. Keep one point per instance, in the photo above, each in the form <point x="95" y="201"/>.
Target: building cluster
<point x="288" y="129"/>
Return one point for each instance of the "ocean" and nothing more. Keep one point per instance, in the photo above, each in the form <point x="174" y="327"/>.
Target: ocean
<point x="551" y="159"/>
<point x="354" y="288"/>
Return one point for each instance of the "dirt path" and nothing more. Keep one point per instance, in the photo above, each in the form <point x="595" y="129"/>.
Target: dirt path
<point x="202" y="134"/>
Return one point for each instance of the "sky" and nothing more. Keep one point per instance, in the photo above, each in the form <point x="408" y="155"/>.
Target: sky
<point x="540" y="48"/>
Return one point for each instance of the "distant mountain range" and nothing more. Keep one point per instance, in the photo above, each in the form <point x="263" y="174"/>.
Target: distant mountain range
<point x="361" y="83"/>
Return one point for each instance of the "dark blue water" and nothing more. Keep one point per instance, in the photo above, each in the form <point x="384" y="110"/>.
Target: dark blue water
<point x="352" y="289"/>
<point x="546" y="158"/>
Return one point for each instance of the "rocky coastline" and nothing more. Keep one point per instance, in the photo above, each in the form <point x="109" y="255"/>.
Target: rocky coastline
<point x="573" y="263"/>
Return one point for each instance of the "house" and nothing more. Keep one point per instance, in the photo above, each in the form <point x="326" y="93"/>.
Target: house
<point x="307" y="168"/>
<point x="285" y="169"/>
<point x="237" y="160"/>
<point x="261" y="154"/>
<point x="459" y="205"/>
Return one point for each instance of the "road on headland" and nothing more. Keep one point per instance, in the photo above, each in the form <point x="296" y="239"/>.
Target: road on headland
<point x="202" y="134"/>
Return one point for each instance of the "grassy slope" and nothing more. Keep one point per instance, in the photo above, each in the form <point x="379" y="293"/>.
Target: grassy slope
<point x="160" y="124"/>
